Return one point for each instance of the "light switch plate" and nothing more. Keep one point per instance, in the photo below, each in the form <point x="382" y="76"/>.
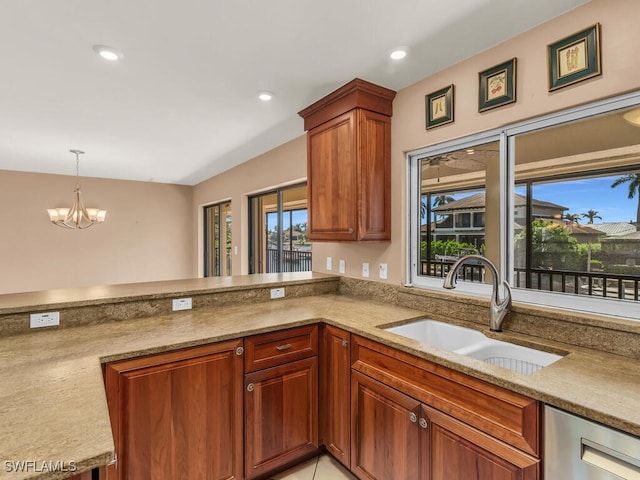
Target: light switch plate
<point x="342" y="266"/>
<point x="181" y="304"/>
<point x="382" y="271"/>
<point x="329" y="263"/>
<point x="365" y="270"/>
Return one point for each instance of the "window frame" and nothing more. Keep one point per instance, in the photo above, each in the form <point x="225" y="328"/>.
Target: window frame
<point x="506" y="137"/>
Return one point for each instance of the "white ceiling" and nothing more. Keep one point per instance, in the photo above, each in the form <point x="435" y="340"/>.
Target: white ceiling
<point x="181" y="105"/>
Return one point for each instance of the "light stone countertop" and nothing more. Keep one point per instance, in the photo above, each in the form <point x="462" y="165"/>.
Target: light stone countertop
<point x="52" y="399"/>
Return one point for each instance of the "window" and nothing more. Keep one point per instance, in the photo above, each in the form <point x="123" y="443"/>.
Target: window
<point x="278" y="231"/>
<point x="452" y="205"/>
<point x="217" y="240"/>
<point x="554" y="202"/>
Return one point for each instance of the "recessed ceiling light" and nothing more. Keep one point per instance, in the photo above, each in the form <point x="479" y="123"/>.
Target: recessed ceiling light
<point x="265" y="96"/>
<point x="398" y="53"/>
<point x="108" y="53"/>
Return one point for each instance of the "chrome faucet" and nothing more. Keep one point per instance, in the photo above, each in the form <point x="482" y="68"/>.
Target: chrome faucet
<point x="499" y="309"/>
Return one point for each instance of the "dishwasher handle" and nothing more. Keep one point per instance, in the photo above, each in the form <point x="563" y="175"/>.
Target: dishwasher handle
<point x="610" y="460"/>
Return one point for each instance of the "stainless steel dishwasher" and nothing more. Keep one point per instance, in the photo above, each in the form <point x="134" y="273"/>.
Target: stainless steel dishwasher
<point x="579" y="449"/>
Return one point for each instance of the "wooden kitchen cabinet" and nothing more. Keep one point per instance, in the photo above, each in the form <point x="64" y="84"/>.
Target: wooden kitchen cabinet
<point x="349" y="163"/>
<point x="178" y="415"/>
<point x="82" y="476"/>
<point x="335" y="393"/>
<point x="281" y="401"/>
<point x="453" y="450"/>
<point x="439" y="424"/>
<point x="386" y="437"/>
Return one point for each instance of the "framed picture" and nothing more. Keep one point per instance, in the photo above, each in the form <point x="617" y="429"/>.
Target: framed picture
<point x="497" y="86"/>
<point x="439" y="107"/>
<point x="574" y="58"/>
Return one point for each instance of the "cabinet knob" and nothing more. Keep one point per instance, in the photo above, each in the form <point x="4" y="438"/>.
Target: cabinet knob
<point x="413" y="417"/>
<point x="423" y="422"/>
<point x="344" y="343"/>
<point x="250" y="387"/>
<point x="286" y="346"/>
<point x="350" y="231"/>
<point x="239" y="351"/>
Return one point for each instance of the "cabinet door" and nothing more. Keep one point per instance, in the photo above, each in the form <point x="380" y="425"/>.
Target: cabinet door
<point x="386" y="437"/>
<point x="178" y="416"/>
<point x="335" y="393"/>
<point x="281" y="416"/>
<point x="452" y="450"/>
<point x="374" y="176"/>
<point x="332" y="174"/>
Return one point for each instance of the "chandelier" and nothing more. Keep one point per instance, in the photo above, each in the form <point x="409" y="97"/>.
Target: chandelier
<point x="78" y="216"/>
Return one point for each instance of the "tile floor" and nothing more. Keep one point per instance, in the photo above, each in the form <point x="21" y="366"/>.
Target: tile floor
<point x="324" y="467"/>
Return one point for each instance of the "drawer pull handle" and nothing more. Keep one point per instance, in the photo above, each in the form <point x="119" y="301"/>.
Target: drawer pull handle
<point x="281" y="348"/>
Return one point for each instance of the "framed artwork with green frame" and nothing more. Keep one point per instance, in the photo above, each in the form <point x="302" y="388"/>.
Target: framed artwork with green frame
<point x="574" y="58"/>
<point x="497" y="86"/>
<point x="439" y="107"/>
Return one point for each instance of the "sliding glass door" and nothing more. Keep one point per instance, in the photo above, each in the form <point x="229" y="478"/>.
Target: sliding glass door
<point x="217" y="240"/>
<point x="278" y="231"/>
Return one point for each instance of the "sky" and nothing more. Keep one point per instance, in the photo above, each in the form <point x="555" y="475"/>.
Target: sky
<point x="580" y="196"/>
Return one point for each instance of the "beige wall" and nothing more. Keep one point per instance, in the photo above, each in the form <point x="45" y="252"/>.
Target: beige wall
<point x="284" y="165"/>
<point x="620" y="51"/>
<point x="147" y="234"/>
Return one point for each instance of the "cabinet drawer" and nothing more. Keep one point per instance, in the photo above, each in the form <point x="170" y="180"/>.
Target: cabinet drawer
<point x="277" y="348"/>
<point x="506" y="415"/>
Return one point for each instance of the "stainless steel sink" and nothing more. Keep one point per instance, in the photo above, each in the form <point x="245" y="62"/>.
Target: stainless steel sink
<point x="471" y="343"/>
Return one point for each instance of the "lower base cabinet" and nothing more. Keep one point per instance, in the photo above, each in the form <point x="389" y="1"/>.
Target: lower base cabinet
<point x="280" y="402"/>
<point x="453" y="450"/>
<point x="385" y="434"/>
<point x="280" y="416"/>
<point x="178" y="415"/>
<point x="396" y="437"/>
<point x="246" y="408"/>
<point x="335" y="393"/>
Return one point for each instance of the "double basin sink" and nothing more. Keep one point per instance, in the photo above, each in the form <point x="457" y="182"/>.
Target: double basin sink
<point x="472" y="343"/>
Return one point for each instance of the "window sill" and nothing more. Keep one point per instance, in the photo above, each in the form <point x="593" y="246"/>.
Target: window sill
<point x="620" y="309"/>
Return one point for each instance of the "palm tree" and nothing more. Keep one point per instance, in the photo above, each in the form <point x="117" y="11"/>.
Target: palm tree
<point x="633" y="179"/>
<point x="572" y="217"/>
<point x="592" y="215"/>
<point x="442" y="200"/>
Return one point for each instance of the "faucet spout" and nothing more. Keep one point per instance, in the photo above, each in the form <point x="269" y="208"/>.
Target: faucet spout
<point x="498" y="308"/>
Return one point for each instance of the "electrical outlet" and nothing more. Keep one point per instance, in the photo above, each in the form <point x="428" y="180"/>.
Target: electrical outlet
<point x="365" y="270"/>
<point x="49" y="319"/>
<point x="382" y="271"/>
<point x="342" y="266"/>
<point x="277" y="293"/>
<point x="329" y="263"/>
<point x="181" y="304"/>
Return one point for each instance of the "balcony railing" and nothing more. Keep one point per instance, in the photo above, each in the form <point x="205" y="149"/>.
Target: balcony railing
<point x="292" y="261"/>
<point x="471" y="272"/>
<point x="596" y="284"/>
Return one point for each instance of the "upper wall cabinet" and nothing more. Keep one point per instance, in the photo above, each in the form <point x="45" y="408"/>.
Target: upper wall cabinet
<point x="349" y="163"/>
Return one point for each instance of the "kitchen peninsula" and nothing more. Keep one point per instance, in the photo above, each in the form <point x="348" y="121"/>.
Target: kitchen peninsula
<point x="54" y="407"/>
